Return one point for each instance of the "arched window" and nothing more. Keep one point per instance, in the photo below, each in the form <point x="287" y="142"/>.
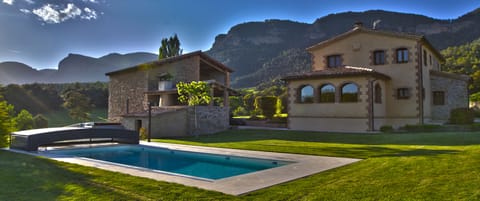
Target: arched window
<point x="378" y="93"/>
<point x="327" y="93"/>
<point x="306" y="94"/>
<point x="349" y="92"/>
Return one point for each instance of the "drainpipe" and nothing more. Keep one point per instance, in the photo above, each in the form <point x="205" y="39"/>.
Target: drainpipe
<point x="372" y="105"/>
<point x="149" y="120"/>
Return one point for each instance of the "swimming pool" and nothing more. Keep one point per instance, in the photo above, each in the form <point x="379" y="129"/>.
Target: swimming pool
<point x="185" y="163"/>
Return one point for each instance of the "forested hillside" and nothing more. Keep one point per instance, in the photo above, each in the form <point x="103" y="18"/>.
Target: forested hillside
<point x="464" y="59"/>
<point x="251" y="48"/>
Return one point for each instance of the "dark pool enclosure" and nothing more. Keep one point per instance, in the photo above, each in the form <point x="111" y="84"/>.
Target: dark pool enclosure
<point x="30" y="140"/>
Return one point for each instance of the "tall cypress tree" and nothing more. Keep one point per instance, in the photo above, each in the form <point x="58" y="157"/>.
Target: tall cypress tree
<point x="170" y="47"/>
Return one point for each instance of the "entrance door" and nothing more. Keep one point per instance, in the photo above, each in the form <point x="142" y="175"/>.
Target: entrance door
<point x="138" y="125"/>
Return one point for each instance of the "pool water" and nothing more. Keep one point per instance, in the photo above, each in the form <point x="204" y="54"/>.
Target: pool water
<point x="193" y="164"/>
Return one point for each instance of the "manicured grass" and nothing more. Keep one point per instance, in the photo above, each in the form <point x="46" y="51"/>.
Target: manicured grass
<point x="61" y="118"/>
<point x="29" y="178"/>
<point x="433" y="166"/>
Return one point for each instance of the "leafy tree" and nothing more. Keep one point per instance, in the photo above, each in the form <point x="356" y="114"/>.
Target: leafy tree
<point x="39" y="121"/>
<point x="170" y="47"/>
<point x="240" y="111"/>
<point x="7" y="124"/>
<point x="78" y="105"/>
<point x="24" y="120"/>
<point x="194" y="93"/>
<point x="464" y="59"/>
<point x="267" y="105"/>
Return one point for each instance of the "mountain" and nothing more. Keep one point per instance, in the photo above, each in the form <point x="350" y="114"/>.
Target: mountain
<point x="251" y="48"/>
<point x="73" y="68"/>
<point x="261" y="51"/>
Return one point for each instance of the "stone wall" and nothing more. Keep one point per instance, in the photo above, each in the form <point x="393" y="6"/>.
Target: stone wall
<point x="181" y="122"/>
<point x="166" y="124"/>
<point x="122" y="87"/>
<point x="456" y="95"/>
<point x="132" y="84"/>
<point x="210" y="119"/>
<point x="185" y="70"/>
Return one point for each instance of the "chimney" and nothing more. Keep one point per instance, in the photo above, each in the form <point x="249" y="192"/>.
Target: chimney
<point x="358" y="25"/>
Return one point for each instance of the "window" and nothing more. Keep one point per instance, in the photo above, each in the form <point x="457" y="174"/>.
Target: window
<point x="349" y="93"/>
<point x="378" y="93"/>
<point x="379" y="57"/>
<point x="306" y="94"/>
<point x="403" y="93"/>
<point x="327" y="93"/>
<point x="438" y="98"/>
<point x="334" y="61"/>
<point x="402" y="55"/>
<point x="430" y="57"/>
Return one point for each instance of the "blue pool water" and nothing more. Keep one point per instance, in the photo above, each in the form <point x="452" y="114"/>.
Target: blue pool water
<point x="200" y="165"/>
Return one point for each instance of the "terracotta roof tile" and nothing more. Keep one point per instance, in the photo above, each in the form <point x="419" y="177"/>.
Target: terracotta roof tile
<point x="346" y="71"/>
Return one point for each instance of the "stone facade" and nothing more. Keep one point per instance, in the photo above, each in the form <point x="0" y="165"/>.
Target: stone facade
<point x="124" y="90"/>
<point x="455" y="89"/>
<point x="131" y="90"/>
<point x="210" y="119"/>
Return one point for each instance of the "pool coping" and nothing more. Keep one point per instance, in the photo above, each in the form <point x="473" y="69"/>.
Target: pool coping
<point x="304" y="166"/>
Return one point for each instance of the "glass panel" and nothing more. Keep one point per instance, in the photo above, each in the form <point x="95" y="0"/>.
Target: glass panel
<point x="306" y="94"/>
<point x="349" y="93"/>
<point x="327" y="94"/>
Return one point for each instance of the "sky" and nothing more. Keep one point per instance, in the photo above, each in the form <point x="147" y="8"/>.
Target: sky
<point x="40" y="33"/>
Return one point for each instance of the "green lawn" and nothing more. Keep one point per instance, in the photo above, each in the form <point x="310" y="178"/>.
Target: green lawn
<point x="61" y="117"/>
<point x="433" y="166"/>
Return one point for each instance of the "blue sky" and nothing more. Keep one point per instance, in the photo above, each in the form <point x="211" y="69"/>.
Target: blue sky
<point x="42" y="32"/>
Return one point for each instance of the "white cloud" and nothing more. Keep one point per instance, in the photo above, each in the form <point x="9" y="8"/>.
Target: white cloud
<point x="48" y="14"/>
<point x="26" y="11"/>
<point x="89" y="14"/>
<point x="52" y="12"/>
<point x="91" y="1"/>
<point x="9" y="2"/>
<point x="71" y="11"/>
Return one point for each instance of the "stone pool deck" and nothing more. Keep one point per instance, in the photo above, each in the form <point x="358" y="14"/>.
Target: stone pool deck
<point x="304" y="165"/>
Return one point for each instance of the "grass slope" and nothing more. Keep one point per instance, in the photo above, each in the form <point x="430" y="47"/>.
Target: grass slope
<point x="61" y="118"/>
<point x="434" y="166"/>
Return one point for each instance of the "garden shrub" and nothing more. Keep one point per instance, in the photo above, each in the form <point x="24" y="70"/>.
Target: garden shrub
<point x="240" y="111"/>
<point x="424" y="128"/>
<point x="280" y="120"/>
<point x="142" y="133"/>
<point x="267" y="105"/>
<point x="461" y="116"/>
<point x="386" y="129"/>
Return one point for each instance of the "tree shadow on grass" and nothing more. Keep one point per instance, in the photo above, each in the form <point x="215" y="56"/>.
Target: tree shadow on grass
<point x="438" y="139"/>
<point x="31" y="178"/>
<point x="357" y="152"/>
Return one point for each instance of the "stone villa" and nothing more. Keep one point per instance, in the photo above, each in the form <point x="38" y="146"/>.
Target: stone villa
<point x="364" y="79"/>
<point x="132" y="90"/>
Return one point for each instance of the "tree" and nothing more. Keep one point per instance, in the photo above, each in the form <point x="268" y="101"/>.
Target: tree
<point x="78" y="105"/>
<point x="7" y="125"/>
<point x="267" y="105"/>
<point x="24" y="120"/>
<point x="170" y="47"/>
<point x="194" y="93"/>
